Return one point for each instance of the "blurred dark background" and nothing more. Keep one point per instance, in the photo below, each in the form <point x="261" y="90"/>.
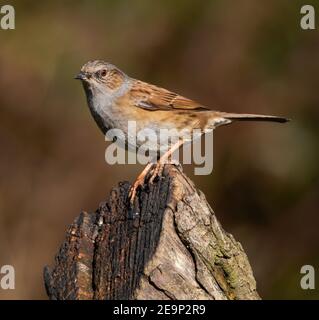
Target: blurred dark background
<point x="240" y="56"/>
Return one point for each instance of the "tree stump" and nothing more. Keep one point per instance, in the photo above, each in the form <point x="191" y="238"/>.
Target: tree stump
<point x="171" y="246"/>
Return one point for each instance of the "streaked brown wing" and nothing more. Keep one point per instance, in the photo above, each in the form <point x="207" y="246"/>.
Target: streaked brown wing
<point x="152" y="98"/>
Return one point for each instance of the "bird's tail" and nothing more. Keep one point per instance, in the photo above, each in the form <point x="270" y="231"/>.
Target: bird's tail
<point x="252" y="117"/>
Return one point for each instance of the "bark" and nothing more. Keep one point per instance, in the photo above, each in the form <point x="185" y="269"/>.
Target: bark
<point x="170" y="246"/>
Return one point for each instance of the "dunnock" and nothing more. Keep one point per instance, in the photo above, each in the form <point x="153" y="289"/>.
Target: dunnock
<point x="114" y="98"/>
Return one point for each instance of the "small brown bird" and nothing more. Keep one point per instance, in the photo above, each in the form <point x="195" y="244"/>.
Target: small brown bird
<point x="114" y="98"/>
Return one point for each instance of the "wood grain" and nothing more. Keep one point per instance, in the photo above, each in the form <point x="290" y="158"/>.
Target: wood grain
<point x="170" y="246"/>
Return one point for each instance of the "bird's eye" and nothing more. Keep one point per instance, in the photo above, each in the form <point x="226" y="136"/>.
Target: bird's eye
<point x="103" y="73"/>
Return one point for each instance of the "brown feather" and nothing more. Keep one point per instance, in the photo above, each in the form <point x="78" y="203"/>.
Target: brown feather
<point x="115" y="79"/>
<point x="151" y="97"/>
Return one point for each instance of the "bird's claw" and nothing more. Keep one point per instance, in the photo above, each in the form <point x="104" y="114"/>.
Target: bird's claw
<point x="140" y="181"/>
<point x="133" y="190"/>
<point x="158" y="170"/>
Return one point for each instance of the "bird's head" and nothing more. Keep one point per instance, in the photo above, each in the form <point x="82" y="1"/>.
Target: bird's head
<point x="101" y="76"/>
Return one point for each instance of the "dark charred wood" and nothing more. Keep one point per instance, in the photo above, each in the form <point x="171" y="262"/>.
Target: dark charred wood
<point x="170" y="246"/>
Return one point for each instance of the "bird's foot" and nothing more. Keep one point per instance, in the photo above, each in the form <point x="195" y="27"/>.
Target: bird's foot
<point x="139" y="182"/>
<point x="158" y="170"/>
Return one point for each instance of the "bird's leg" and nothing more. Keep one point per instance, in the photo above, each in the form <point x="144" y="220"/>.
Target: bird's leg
<point x="157" y="170"/>
<point x="163" y="160"/>
<point x="139" y="182"/>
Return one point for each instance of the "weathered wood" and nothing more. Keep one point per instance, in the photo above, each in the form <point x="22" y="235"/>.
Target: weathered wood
<point x="173" y="248"/>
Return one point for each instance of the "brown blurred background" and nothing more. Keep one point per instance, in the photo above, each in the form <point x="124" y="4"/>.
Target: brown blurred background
<point x="240" y="56"/>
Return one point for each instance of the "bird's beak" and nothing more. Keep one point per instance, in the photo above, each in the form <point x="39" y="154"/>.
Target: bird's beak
<point x="81" y="76"/>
